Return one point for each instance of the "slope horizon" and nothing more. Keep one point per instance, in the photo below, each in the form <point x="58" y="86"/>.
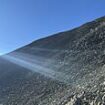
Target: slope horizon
<point x="51" y="35"/>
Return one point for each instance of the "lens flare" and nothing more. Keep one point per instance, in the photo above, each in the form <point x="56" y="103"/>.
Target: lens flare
<point x="36" y="64"/>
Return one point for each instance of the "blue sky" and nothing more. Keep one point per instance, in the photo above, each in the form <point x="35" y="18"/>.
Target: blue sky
<point x="23" y="21"/>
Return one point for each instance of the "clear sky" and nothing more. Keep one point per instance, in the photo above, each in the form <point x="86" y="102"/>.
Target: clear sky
<point x="23" y="21"/>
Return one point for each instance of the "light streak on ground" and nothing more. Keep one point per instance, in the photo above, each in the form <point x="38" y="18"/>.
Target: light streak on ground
<point x="36" y="64"/>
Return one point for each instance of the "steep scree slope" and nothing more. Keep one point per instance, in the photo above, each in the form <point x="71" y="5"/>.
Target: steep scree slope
<point x="68" y="68"/>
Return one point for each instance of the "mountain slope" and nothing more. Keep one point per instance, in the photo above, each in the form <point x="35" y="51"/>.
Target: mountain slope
<point x="72" y="62"/>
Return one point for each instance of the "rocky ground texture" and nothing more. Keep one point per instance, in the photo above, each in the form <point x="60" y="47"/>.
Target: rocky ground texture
<point x="67" y="68"/>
